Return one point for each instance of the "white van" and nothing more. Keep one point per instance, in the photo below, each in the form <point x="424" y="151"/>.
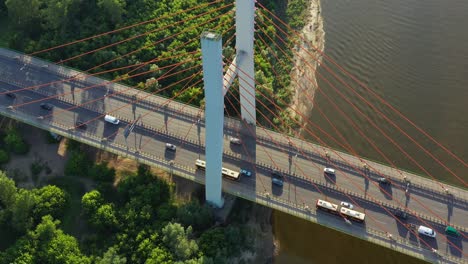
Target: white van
<point x="423" y="230"/>
<point x="111" y="119"/>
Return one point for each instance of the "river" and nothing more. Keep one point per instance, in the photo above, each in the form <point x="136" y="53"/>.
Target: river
<point x="414" y="54"/>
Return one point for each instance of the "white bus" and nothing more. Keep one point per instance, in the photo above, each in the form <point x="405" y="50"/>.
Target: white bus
<point x="229" y="174"/>
<point x="352" y="214"/>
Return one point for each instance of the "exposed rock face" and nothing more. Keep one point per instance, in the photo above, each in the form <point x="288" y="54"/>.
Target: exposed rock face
<point x="307" y="58"/>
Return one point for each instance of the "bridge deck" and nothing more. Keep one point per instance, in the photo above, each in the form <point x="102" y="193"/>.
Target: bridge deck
<point x="301" y="161"/>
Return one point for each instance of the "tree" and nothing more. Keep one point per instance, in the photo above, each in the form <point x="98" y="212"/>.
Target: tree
<point x="22" y="210"/>
<point x="53" y="246"/>
<point x="105" y="218"/>
<point x="7" y="191"/>
<point x="56" y="13"/>
<point x="212" y="241"/>
<point x="4" y="156"/>
<point x="24" y="14"/>
<point x="159" y="256"/>
<point x="111" y="257"/>
<point x="15" y="143"/>
<point x="195" y="215"/>
<point x="113" y="8"/>
<point x="101" y="173"/>
<point x="91" y="201"/>
<point x="51" y="200"/>
<point x="176" y="238"/>
<point x="77" y="165"/>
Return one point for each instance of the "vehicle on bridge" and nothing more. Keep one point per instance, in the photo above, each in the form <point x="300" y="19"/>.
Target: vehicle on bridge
<point x="111" y="119"/>
<point x="347" y="213"/>
<point x="347" y="205"/>
<point x="326" y="206"/>
<point x="46" y="106"/>
<point x="277" y="178"/>
<point x="235" y="141"/>
<point x="227" y="173"/>
<point x="10" y="95"/>
<point x="170" y="146"/>
<point x="245" y="172"/>
<point x="383" y="180"/>
<point x="401" y="214"/>
<point x="451" y="231"/>
<point x="329" y="171"/>
<point x="424" y="230"/>
<point x="352" y="214"/>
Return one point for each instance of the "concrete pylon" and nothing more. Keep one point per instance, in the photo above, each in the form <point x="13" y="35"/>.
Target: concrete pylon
<point x="245" y="17"/>
<point x="212" y="59"/>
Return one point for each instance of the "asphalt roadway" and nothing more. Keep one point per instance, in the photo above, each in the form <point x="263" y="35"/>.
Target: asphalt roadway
<point x="301" y="162"/>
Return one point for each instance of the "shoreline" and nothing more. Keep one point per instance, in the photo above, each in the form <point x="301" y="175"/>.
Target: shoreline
<point x="305" y="83"/>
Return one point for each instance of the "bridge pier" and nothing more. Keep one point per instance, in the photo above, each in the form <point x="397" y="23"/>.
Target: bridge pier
<point x="212" y="59"/>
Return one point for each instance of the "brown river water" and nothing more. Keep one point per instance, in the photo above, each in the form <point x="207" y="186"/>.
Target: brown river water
<point x="414" y="54"/>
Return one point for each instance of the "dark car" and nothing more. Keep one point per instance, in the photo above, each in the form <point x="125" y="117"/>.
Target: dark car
<point x="46" y="106"/>
<point x="81" y="125"/>
<point x="401" y="214"/>
<point x="277" y="182"/>
<point x="245" y="172"/>
<point x="10" y="95"/>
<point x="277" y="174"/>
<point x="383" y="180"/>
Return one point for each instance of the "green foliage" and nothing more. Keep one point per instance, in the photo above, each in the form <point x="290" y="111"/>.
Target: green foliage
<point x="143" y="190"/>
<point x="178" y="241"/>
<point x="102" y="173"/>
<point x="46" y="244"/>
<point x="91" y="201"/>
<point x="296" y="13"/>
<point x="105" y="218"/>
<point x="50" y="200"/>
<point x="22" y="209"/>
<point x="7" y="191"/>
<point x="195" y="215"/>
<point x="113" y="8"/>
<point x="159" y="256"/>
<point x="77" y="165"/>
<point x="4" y="156"/>
<point x="15" y="143"/>
<point x="225" y="242"/>
<point x="111" y="257"/>
<point x="36" y="168"/>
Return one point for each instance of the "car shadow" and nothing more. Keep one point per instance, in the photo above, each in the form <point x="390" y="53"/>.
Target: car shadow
<point x="276" y="190"/>
<point x="386" y="190"/>
<point x="169" y="154"/>
<point x="330" y="178"/>
<point x="455" y="246"/>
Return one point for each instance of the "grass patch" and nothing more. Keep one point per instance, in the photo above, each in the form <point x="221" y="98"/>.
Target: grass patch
<point x="72" y="223"/>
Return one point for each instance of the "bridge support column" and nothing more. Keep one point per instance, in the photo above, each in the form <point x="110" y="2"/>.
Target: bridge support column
<point x="245" y="14"/>
<point x="211" y="44"/>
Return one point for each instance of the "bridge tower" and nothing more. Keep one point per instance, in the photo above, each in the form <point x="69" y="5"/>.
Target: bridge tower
<point x="216" y="87"/>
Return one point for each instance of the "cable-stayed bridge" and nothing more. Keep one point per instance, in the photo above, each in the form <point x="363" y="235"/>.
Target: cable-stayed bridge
<point x="80" y="102"/>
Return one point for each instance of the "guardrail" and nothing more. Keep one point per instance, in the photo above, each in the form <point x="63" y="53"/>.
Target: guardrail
<point x="188" y="172"/>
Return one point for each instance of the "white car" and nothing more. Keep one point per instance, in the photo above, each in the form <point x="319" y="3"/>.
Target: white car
<point x="329" y="171"/>
<point x="347" y="205"/>
<point x="170" y="146"/>
<point x="236" y="141"/>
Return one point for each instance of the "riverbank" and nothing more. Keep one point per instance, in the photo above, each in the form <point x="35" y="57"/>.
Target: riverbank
<point x="307" y="59"/>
